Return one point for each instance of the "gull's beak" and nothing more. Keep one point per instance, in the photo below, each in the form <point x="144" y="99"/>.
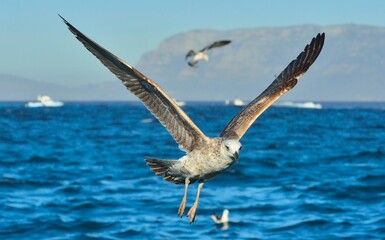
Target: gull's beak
<point x="236" y="155"/>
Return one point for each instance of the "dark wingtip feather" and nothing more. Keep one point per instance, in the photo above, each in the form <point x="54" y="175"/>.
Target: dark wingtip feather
<point x="285" y="81"/>
<point x="65" y="21"/>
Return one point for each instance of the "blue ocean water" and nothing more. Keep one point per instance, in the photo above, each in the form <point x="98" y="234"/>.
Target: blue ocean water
<point x="78" y="172"/>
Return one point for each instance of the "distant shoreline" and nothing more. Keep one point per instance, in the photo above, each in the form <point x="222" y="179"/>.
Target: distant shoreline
<point x="325" y="104"/>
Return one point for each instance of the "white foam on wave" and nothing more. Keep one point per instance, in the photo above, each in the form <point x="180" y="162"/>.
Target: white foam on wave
<point x="147" y="120"/>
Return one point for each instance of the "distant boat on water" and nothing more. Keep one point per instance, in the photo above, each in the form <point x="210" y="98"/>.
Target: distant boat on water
<point x="44" y="101"/>
<point x="236" y="102"/>
<point x="299" y="105"/>
<point x="179" y="103"/>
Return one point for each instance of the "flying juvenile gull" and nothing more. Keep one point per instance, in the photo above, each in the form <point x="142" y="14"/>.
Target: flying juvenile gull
<point x="194" y="57"/>
<point x="205" y="157"/>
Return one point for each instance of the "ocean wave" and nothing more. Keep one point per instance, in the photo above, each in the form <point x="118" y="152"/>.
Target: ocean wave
<point x="40" y="159"/>
<point x="82" y="175"/>
<point x="129" y="232"/>
<point x="320" y="207"/>
<point x="361" y="155"/>
<point x="11" y="182"/>
<point x="70" y="189"/>
<point x="304" y="224"/>
<point x="23" y="183"/>
<point x="373" y="178"/>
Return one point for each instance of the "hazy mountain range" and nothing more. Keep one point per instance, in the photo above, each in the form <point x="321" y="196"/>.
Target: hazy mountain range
<point x="348" y="69"/>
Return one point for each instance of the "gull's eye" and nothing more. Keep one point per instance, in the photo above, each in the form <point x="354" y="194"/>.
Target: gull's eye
<point x="227" y="148"/>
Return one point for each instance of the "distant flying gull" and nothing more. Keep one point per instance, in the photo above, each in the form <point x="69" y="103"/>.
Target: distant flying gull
<point x="221" y="219"/>
<point x="205" y="157"/>
<point x="193" y="57"/>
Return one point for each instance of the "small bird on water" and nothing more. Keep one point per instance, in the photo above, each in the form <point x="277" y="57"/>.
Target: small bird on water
<point x="193" y="57"/>
<point x="205" y="157"/>
<point x="221" y="219"/>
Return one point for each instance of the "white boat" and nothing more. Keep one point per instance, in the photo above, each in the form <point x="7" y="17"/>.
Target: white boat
<point x="235" y="102"/>
<point x="299" y="105"/>
<point x="180" y="103"/>
<point x="44" y="101"/>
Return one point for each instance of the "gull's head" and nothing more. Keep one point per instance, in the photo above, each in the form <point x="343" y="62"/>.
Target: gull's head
<point x="231" y="149"/>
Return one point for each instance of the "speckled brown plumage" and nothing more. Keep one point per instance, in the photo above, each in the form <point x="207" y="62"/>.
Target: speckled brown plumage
<point x="205" y="157"/>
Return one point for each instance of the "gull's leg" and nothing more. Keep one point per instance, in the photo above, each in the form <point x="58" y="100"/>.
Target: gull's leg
<point x="182" y="205"/>
<point x="193" y="210"/>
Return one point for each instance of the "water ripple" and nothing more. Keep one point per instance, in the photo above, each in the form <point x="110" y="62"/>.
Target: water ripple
<point x="79" y="173"/>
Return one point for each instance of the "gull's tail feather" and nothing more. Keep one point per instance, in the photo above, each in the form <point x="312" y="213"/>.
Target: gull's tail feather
<point x="163" y="169"/>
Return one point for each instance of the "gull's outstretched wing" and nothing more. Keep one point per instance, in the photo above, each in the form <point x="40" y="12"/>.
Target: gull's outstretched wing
<point x="189" y="54"/>
<point x="216" y="44"/>
<point x="169" y="114"/>
<point x="283" y="83"/>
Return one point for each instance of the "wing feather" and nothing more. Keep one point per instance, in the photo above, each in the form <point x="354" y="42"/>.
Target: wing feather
<point x="189" y="54"/>
<point x="216" y="44"/>
<point x="169" y="114"/>
<point x="288" y="78"/>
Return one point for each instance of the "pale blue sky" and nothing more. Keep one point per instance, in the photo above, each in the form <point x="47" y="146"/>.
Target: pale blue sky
<point x="36" y="44"/>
